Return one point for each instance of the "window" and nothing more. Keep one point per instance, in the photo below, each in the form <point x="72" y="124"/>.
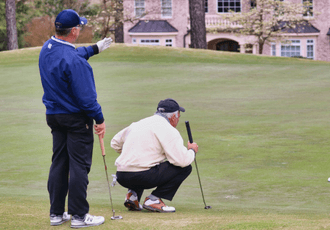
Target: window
<point x="152" y="42"/>
<point x="168" y="42"/>
<point x="139" y="8"/>
<point x="291" y="49"/>
<point x="248" y="48"/>
<point x="309" y="8"/>
<point x="253" y="4"/>
<point x="134" y="40"/>
<point x="273" y="49"/>
<point x="225" y="6"/>
<point x="310" y="49"/>
<point x="166" y="8"/>
<point x="206" y="6"/>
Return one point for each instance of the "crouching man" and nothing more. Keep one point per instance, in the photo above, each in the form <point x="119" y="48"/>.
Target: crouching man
<point x="152" y="155"/>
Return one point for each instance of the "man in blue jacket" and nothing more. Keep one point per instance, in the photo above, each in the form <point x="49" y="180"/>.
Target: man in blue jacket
<point x="71" y="106"/>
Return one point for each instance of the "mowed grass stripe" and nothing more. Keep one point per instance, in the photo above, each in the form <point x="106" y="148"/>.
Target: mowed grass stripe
<point x="261" y="124"/>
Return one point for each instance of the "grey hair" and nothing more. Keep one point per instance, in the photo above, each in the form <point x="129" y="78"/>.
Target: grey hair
<point x="63" y="32"/>
<point x="169" y="115"/>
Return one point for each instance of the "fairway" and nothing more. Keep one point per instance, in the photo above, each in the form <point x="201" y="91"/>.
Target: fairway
<point x="261" y="123"/>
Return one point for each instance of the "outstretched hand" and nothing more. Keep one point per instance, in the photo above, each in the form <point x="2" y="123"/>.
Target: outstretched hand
<point x="100" y="129"/>
<point x="104" y="44"/>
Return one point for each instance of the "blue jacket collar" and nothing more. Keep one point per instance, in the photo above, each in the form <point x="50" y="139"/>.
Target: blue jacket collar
<point x="63" y="42"/>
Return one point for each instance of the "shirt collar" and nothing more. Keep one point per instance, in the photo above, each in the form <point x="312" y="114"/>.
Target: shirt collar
<point x="62" y="41"/>
<point x="162" y="115"/>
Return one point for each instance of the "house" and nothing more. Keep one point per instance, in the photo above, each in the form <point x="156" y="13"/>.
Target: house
<point x="166" y="23"/>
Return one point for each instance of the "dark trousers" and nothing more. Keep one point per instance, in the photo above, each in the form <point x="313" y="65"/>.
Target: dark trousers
<point x="166" y="177"/>
<point x="71" y="162"/>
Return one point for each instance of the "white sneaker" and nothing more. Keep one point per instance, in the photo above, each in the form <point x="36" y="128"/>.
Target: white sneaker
<point x="157" y="205"/>
<point x="88" y="221"/>
<point x="59" y="219"/>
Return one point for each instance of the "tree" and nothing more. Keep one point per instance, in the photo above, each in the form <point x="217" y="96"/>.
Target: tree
<point x="112" y="15"/>
<point x="197" y="24"/>
<point x="52" y="8"/>
<point x="11" y="25"/>
<point x="24" y="13"/>
<point x="111" y="19"/>
<point x="119" y="25"/>
<point x="268" y="20"/>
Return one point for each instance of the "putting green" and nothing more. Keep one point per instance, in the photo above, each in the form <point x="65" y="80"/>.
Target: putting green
<point x="261" y="123"/>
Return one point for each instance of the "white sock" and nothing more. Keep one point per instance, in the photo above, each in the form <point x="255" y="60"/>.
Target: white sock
<point x="134" y="195"/>
<point x="153" y="197"/>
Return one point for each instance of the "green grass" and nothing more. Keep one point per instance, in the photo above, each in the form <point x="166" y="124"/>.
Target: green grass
<point x="261" y="123"/>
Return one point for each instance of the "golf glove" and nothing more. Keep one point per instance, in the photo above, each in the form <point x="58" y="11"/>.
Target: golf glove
<point x="104" y="44"/>
<point x="114" y="180"/>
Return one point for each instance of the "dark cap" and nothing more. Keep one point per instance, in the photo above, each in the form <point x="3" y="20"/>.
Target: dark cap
<point x="169" y="106"/>
<point x="68" y="19"/>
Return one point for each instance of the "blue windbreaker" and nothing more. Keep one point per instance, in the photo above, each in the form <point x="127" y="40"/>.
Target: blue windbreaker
<point x="67" y="79"/>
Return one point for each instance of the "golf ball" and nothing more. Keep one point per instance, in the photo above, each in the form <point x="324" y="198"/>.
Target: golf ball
<point x="329" y="179"/>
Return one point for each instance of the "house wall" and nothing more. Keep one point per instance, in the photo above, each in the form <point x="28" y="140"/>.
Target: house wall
<point x="180" y="20"/>
<point x="322" y="22"/>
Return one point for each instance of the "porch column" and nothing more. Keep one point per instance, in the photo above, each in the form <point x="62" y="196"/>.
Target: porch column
<point x="242" y="48"/>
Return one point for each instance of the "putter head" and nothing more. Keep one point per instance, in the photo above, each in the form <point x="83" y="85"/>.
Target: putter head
<point x="208" y="207"/>
<point x="116" y="217"/>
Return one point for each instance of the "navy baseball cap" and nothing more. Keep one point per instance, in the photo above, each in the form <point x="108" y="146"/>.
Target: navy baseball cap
<point x="169" y="105"/>
<point x="68" y="19"/>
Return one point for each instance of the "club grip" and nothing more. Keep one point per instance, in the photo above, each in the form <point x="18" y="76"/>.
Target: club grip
<point x="189" y="132"/>
<point x="102" y="146"/>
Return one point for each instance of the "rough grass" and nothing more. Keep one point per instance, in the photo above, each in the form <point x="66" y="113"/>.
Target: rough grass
<point x="261" y="124"/>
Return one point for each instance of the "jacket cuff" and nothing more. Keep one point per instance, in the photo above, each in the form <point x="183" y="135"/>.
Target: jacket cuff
<point x="99" y="121"/>
<point x="95" y="49"/>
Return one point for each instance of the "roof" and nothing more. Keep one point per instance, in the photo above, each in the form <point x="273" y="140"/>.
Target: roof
<point x="153" y="26"/>
<point x="304" y="27"/>
<point x="328" y="32"/>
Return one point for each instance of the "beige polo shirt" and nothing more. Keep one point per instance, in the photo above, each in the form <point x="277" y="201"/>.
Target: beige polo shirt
<point x="149" y="142"/>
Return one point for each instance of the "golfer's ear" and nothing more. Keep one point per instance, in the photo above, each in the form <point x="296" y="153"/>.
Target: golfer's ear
<point x="171" y="119"/>
<point x="74" y="30"/>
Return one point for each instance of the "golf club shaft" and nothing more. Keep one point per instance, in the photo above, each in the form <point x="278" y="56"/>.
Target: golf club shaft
<point x="200" y="182"/>
<point x="106" y="171"/>
<point x="191" y="141"/>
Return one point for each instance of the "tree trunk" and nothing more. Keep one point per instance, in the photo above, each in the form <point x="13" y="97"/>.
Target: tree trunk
<point x="261" y="46"/>
<point x="119" y="32"/>
<point x="119" y="26"/>
<point x="11" y="25"/>
<point x="197" y="24"/>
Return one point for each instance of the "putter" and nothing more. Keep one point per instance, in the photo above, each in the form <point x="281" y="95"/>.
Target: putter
<point x="200" y="184"/>
<point x="114" y="217"/>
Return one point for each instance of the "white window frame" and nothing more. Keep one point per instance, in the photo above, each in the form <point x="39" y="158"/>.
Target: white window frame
<point x="273" y="49"/>
<point x="291" y="48"/>
<point x="134" y="41"/>
<point x="167" y="7"/>
<point x="169" y="42"/>
<point x="136" y="8"/>
<point x="149" y="41"/>
<point x="240" y="7"/>
<point x="310" y="42"/>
